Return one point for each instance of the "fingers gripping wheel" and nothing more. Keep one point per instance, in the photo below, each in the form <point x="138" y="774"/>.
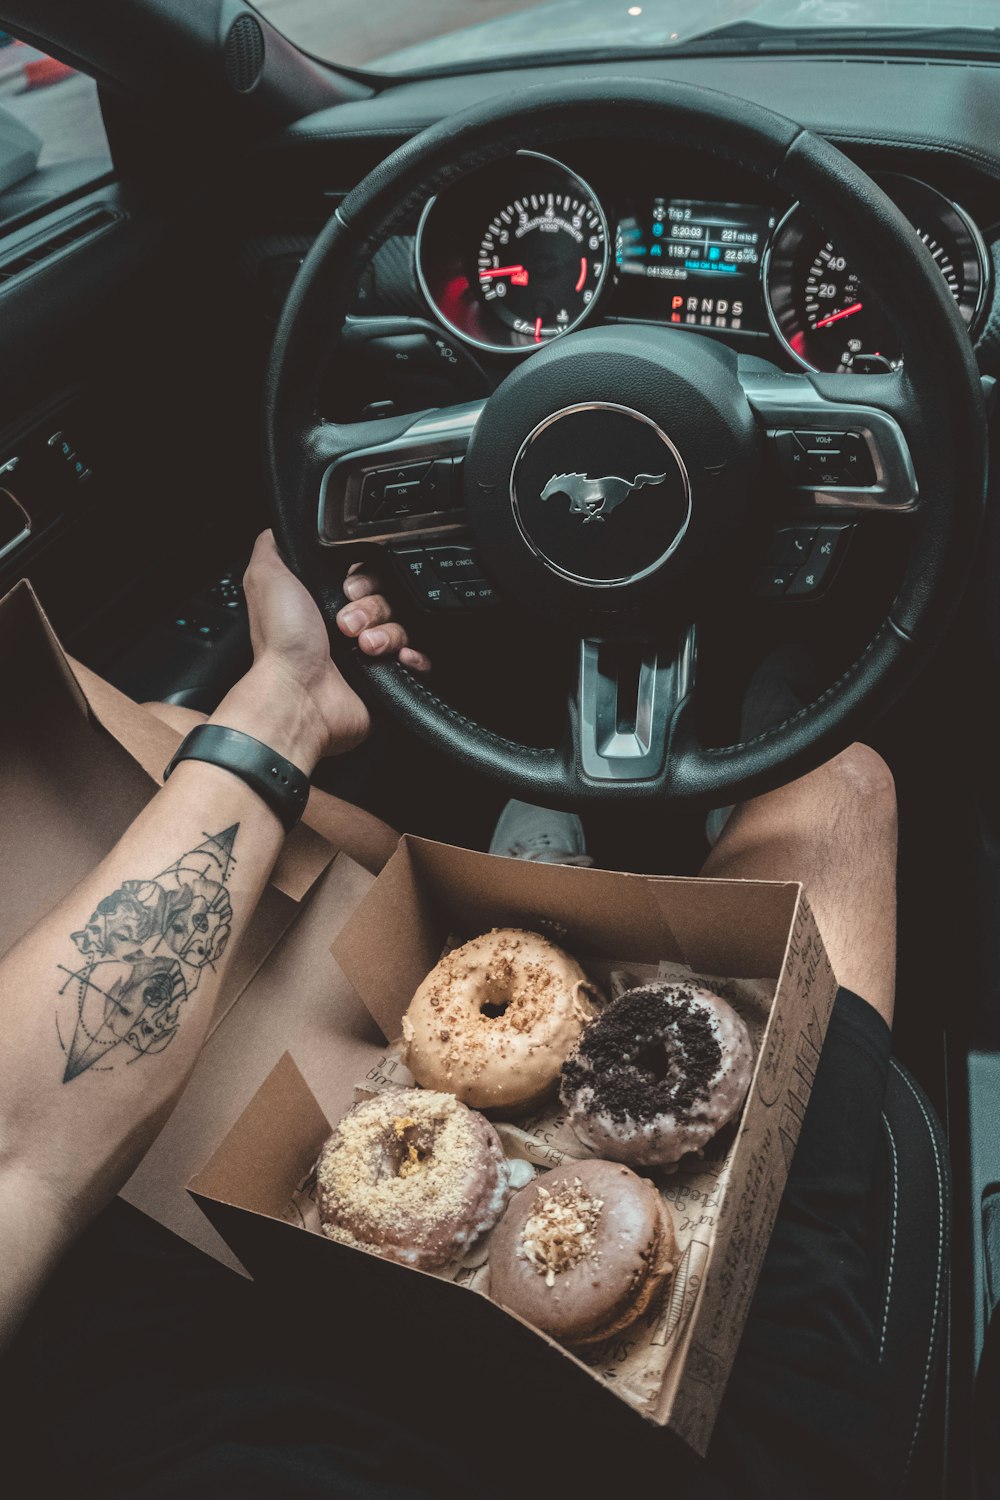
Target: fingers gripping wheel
<point x="612" y="470"/>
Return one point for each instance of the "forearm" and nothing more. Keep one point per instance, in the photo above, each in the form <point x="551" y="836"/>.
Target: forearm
<point x="105" y="1004"/>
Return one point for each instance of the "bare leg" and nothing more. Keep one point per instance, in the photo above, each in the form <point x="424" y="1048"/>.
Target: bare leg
<point x="835" y="830"/>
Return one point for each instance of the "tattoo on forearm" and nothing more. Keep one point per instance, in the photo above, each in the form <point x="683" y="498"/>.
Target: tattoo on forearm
<point x="143" y="950"/>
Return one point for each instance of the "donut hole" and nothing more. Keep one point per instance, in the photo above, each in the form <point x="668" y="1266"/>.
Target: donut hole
<point x="652" y="1059"/>
<point x="491" y="1009"/>
<point x="494" y="1004"/>
<point x="405" y="1149"/>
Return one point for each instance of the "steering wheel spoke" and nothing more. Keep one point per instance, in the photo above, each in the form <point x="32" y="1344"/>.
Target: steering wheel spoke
<point x="391" y="478"/>
<point x="626" y="698"/>
<point x="836" y="454"/>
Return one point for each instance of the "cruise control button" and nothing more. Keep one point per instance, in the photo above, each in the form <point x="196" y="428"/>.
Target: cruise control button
<point x="423" y="582"/>
<point x="473" y="593"/>
<point x="450" y="563"/>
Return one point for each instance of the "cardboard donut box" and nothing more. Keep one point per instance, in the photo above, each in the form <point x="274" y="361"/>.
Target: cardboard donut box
<point x="427" y="894"/>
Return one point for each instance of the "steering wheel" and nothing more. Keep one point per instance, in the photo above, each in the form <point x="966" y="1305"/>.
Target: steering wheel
<point x="681" y="440"/>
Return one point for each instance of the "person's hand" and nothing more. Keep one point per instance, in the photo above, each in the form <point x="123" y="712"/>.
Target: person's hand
<point x="294" y="698"/>
<point x="368" y="618"/>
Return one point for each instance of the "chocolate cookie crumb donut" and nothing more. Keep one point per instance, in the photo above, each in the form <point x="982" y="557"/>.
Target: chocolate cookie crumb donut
<point x="411" y="1175"/>
<point x="660" y="1071"/>
<point x="495" y="1019"/>
<point x="582" y="1252"/>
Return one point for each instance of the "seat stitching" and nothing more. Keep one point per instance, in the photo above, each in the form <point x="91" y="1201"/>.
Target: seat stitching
<point x="937" y="1280"/>
<point x="892" y="1240"/>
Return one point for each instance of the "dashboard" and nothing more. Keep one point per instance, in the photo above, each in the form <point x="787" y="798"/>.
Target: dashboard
<point x="529" y="248"/>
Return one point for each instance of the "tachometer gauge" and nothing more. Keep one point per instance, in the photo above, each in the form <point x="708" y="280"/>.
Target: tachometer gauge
<point x="541" y="260"/>
<point x="817" y="302"/>
<point x="514" y="255"/>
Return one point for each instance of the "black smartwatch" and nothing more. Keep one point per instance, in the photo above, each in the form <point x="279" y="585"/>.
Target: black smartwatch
<point x="281" y="785"/>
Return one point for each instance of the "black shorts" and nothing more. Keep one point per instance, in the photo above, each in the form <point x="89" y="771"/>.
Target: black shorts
<point x="148" y="1371"/>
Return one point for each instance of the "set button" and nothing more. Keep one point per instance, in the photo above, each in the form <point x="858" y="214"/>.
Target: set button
<point x="444" y="577"/>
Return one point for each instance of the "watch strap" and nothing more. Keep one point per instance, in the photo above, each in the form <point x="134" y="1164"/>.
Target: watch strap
<point x="276" y="780"/>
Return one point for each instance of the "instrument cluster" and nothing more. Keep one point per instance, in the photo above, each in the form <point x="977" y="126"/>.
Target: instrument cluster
<point x="522" y="251"/>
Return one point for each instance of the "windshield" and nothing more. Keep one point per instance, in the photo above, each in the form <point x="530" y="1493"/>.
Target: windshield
<point x="399" y="36"/>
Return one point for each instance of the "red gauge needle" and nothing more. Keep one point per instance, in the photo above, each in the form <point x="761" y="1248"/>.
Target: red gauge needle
<point x="845" y="312"/>
<point x="503" y="271"/>
<point x="538" y="330"/>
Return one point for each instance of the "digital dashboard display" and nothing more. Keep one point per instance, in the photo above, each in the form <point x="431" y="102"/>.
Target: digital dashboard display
<point x="705" y="256"/>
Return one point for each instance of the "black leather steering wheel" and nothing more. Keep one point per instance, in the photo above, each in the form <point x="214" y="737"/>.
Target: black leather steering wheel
<point x="673" y="407"/>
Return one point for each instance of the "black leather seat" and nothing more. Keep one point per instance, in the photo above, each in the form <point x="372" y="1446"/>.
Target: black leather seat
<point x="914" y="1213"/>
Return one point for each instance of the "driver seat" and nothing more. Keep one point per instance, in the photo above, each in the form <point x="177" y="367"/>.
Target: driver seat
<point x="912" y="1217"/>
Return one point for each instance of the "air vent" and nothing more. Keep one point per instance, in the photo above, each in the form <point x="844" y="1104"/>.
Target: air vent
<point x="31" y="254"/>
<point x="244" y="53"/>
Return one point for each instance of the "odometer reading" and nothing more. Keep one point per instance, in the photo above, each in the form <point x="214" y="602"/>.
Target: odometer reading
<point x="541" y="261"/>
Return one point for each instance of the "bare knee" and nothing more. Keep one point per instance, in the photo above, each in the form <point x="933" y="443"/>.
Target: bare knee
<point x="865" y="784"/>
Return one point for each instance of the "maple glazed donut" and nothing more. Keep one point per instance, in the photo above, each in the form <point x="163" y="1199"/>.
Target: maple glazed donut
<point x="660" y="1071"/>
<point x="494" y="1021"/>
<point x="583" y="1251"/>
<point x="411" y="1175"/>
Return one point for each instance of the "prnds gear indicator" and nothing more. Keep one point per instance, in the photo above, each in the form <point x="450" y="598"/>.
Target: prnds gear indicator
<point x="706" y="255"/>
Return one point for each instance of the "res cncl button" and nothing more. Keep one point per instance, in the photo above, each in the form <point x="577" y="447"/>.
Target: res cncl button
<point x="444" y="577"/>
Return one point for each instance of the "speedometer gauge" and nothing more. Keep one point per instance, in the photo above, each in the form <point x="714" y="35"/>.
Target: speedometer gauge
<point x="817" y="303"/>
<point x="515" y="254"/>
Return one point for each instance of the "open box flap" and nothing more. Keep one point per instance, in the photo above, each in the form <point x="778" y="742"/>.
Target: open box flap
<point x="729" y="926"/>
<point x="67" y="790"/>
<point x="298" y="1000"/>
<point x="434" y="891"/>
<point x="80" y="761"/>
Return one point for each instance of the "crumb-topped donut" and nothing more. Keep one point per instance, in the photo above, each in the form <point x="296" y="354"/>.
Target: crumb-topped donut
<point x="660" y="1071"/>
<point x="411" y="1175"/>
<point x="495" y="1019"/>
<point x="582" y="1252"/>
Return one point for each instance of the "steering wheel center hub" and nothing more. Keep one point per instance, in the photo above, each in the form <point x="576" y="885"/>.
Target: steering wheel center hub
<point x="613" y="460"/>
<point x="600" y="493"/>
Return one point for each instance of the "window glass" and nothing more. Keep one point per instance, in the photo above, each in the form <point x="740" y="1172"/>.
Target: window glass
<point x="399" y="36"/>
<point x="52" y="138"/>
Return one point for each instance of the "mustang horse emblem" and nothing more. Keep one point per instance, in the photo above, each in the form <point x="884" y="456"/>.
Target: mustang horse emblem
<point x="593" y="499"/>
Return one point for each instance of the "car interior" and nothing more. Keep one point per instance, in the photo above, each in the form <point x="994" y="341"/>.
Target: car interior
<point x="282" y="292"/>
